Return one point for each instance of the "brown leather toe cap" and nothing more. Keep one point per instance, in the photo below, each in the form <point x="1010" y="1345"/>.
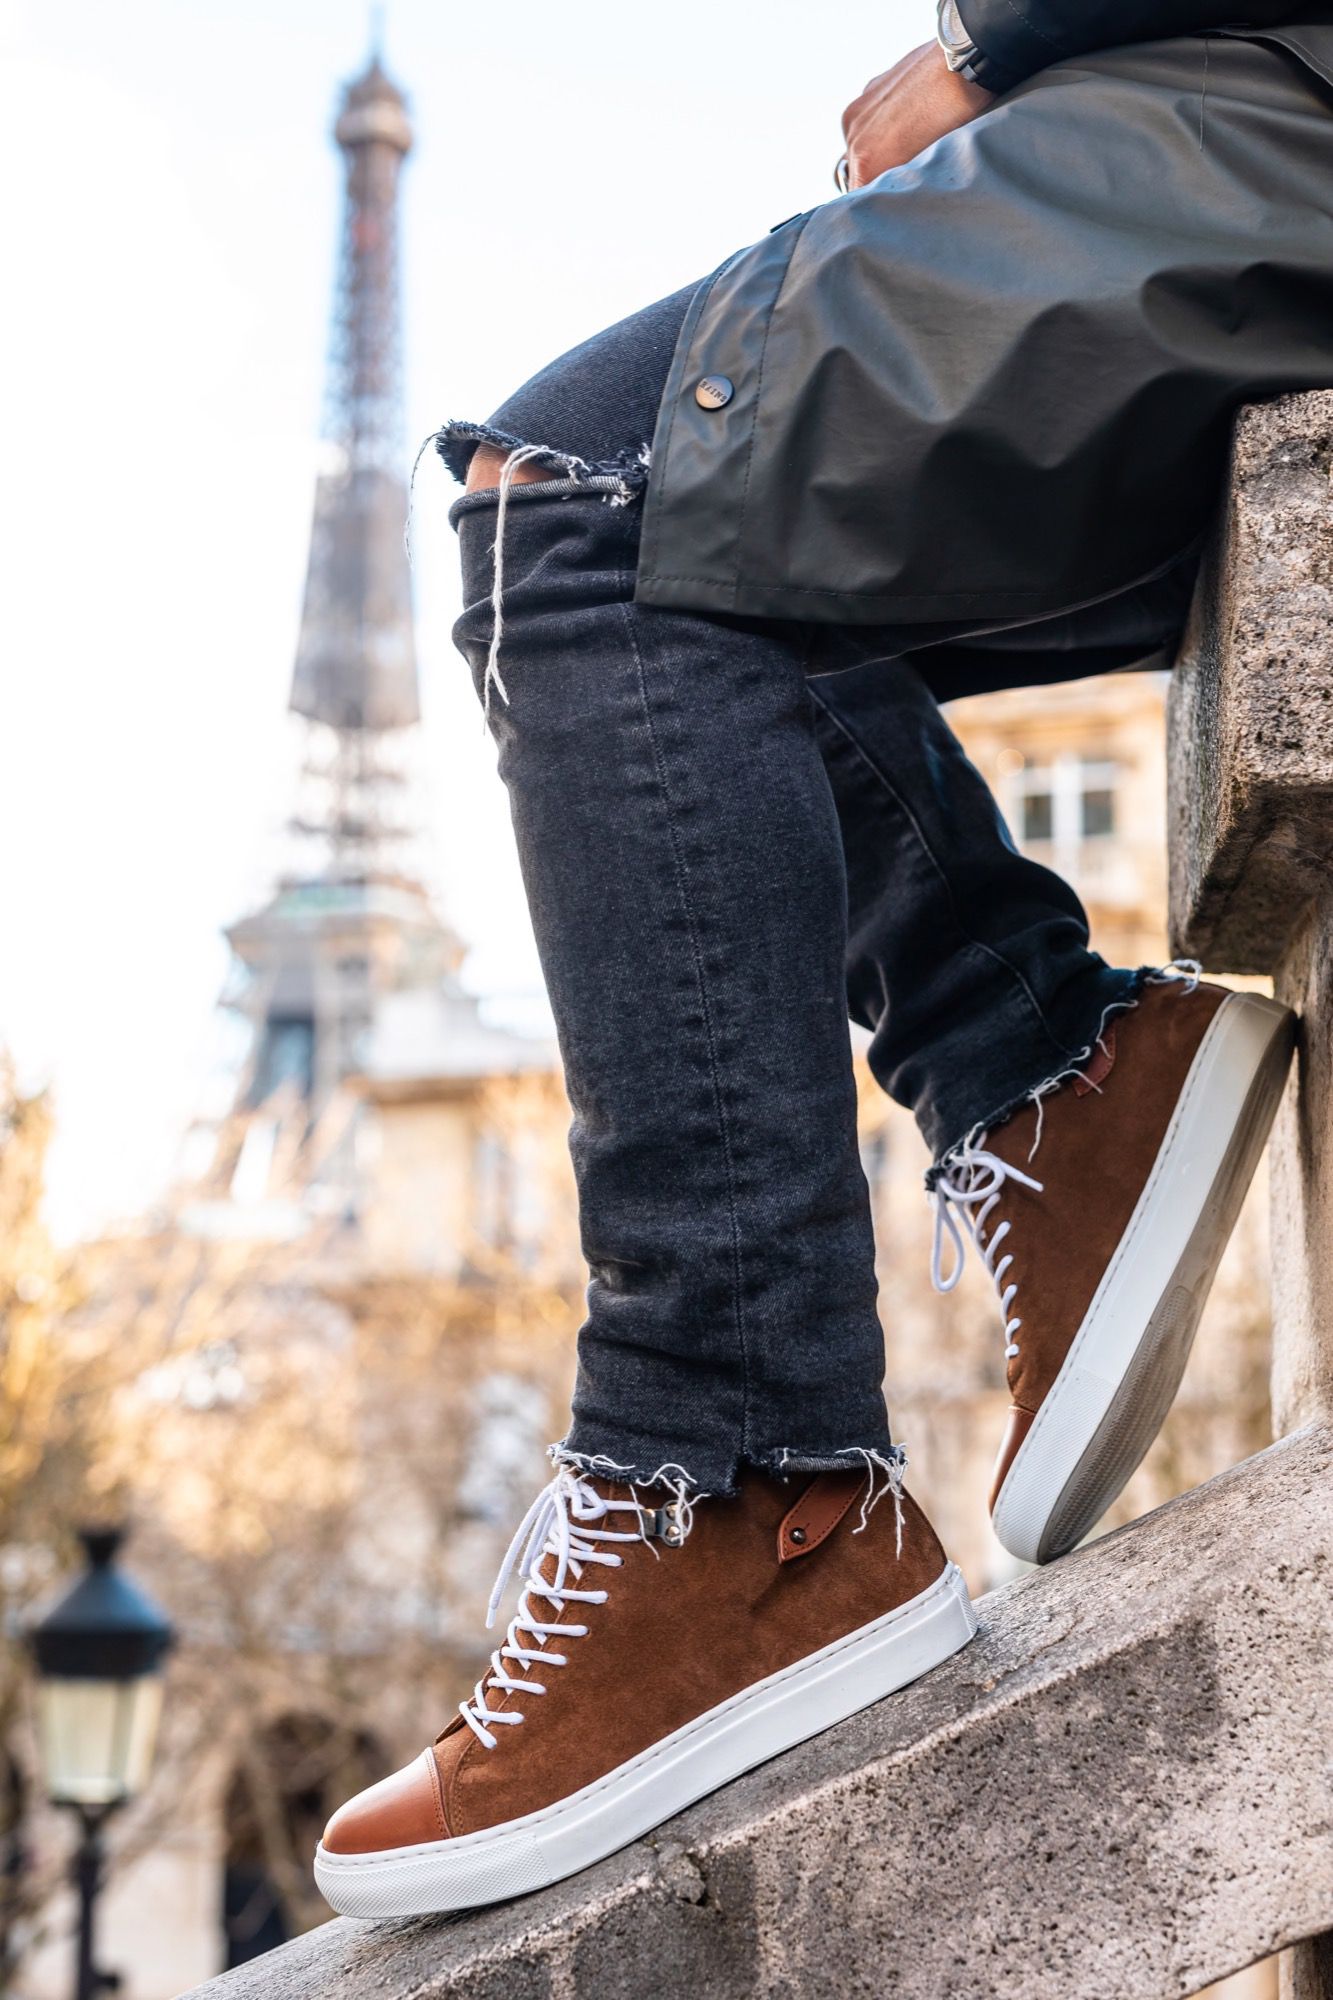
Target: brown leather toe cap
<point x="1017" y="1426"/>
<point x="400" y="1811"/>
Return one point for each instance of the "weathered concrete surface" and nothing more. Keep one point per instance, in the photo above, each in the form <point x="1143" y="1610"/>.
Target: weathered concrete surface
<point x="1251" y="716"/>
<point x="1307" y="1972"/>
<point x="1251" y="775"/>
<point x="1120" y="1791"/>
<point x="1302" y="1179"/>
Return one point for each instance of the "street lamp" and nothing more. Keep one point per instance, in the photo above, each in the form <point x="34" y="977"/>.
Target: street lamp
<point x="99" y="1654"/>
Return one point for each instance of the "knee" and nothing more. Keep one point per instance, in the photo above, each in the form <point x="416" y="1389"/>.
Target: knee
<point x="488" y="463"/>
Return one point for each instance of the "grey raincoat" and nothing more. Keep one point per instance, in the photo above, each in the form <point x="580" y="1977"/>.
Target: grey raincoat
<point x="997" y="384"/>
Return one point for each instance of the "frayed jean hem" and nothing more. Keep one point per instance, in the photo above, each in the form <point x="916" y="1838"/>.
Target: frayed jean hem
<point x="698" y="1475"/>
<point x="1072" y="1070"/>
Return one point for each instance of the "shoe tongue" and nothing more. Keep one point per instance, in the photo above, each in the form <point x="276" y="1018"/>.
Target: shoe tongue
<point x="613" y="1490"/>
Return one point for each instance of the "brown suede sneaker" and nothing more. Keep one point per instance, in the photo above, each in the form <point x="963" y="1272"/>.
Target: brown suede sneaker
<point x="1101" y="1213"/>
<point x="655" y="1655"/>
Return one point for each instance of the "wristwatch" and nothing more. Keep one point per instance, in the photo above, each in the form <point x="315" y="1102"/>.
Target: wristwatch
<point x="960" y="51"/>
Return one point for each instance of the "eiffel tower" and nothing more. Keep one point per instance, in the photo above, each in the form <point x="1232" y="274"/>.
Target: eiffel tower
<point x="348" y="972"/>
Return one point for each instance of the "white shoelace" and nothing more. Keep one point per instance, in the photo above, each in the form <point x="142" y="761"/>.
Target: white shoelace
<point x="972" y="1179"/>
<point x="559" y="1523"/>
<point x="1188" y="970"/>
<point x="521" y="456"/>
<point x="971" y="1182"/>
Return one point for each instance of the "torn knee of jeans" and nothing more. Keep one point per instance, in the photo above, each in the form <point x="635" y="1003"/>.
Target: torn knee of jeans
<point x="456" y="441"/>
<point x="617" y="481"/>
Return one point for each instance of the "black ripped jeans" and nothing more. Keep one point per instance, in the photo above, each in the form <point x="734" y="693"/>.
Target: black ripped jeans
<point x="729" y="847"/>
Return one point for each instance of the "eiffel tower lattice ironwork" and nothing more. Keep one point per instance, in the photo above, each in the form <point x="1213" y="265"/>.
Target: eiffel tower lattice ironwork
<point x="351" y="924"/>
<point x="355" y="676"/>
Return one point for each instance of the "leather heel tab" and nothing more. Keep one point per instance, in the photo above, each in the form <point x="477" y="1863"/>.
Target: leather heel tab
<point x="824" y="1503"/>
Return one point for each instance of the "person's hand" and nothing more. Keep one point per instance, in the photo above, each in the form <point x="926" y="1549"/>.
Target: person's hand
<point x="900" y="113"/>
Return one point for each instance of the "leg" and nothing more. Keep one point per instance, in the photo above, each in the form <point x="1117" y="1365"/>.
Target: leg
<point x="968" y="962"/>
<point x="684" y="870"/>
<point x="685" y="749"/>
<point x="597" y="404"/>
<point x="1094" y="1129"/>
<point x="971" y="967"/>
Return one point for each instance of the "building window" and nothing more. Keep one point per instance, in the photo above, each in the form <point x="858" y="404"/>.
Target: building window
<point x="1063" y="803"/>
<point x="1038" y="813"/>
<point x="286" y="1057"/>
<point x="1098" y="813"/>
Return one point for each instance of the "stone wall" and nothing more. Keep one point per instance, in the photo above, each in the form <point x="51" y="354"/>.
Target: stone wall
<point x="1251" y="792"/>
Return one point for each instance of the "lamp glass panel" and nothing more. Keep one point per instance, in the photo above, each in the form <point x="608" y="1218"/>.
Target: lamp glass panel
<point x="97" y="1737"/>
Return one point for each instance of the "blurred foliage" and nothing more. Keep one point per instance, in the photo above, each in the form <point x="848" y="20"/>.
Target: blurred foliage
<point x="294" y="1440"/>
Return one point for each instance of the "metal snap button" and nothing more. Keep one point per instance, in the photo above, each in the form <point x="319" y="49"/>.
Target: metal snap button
<point x="714" y="392"/>
<point x="798" y="1536"/>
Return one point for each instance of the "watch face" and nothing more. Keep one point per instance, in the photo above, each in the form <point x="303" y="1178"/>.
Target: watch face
<point x="953" y="37"/>
<point x="953" y="34"/>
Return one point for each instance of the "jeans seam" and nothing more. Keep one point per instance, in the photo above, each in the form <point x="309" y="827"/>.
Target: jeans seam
<point x="701" y="983"/>
<point x="988" y="951"/>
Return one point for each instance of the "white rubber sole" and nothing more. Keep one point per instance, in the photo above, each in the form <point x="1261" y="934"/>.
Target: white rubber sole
<point x="754" y="1725"/>
<point x="1122" y="1372"/>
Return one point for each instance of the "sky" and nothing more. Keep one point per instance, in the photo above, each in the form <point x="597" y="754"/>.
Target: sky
<point x="173" y="197"/>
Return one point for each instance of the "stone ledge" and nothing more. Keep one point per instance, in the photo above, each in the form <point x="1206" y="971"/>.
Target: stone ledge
<point x="1251" y="706"/>
<point x="1121" y="1788"/>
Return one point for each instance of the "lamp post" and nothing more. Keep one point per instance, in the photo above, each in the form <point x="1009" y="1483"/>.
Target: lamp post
<point x="99" y="1654"/>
